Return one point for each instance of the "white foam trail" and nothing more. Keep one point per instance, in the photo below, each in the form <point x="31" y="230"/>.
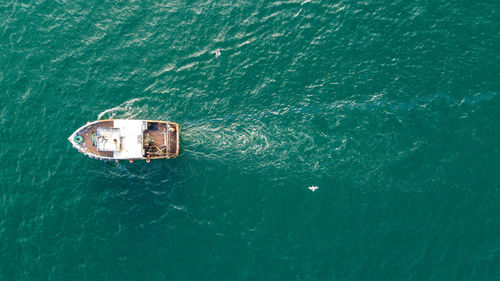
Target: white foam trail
<point x="125" y="106"/>
<point x="99" y="116"/>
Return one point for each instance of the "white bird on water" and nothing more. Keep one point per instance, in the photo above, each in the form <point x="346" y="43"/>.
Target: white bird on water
<point x="217" y="53"/>
<point x="313" y="188"/>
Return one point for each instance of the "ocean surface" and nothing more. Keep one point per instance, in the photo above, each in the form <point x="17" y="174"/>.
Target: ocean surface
<point x="390" y="108"/>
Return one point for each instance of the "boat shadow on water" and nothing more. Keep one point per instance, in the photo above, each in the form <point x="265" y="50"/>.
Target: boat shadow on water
<point x="140" y="195"/>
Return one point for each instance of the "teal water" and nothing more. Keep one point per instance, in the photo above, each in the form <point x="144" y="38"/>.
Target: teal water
<point x="391" y="108"/>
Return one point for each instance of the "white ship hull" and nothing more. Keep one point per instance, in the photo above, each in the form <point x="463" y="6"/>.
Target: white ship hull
<point x="123" y="139"/>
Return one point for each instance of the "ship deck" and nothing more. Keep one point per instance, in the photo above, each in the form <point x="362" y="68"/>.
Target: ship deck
<point x="159" y="140"/>
<point x="87" y="142"/>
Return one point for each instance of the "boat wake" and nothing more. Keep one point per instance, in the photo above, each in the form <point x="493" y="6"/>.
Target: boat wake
<point x="127" y="110"/>
<point x="266" y="139"/>
<point x="251" y="145"/>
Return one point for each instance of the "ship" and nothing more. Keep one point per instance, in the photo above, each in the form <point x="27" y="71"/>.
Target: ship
<point x="125" y="139"/>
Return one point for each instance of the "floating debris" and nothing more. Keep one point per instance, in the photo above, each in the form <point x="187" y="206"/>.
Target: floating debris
<point x="217" y="53"/>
